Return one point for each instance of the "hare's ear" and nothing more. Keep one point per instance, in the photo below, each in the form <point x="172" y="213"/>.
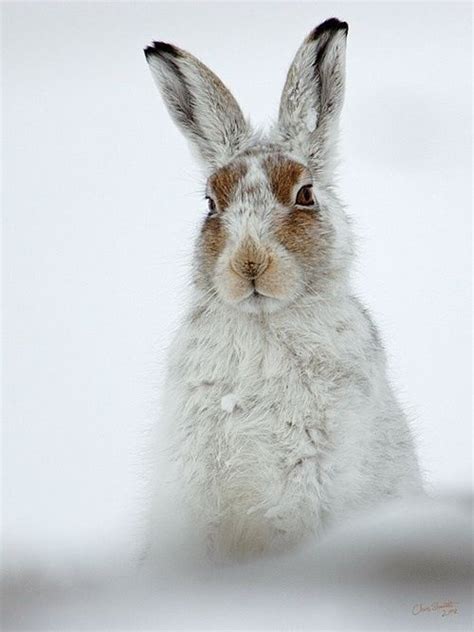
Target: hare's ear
<point x="201" y="105"/>
<point x="313" y="95"/>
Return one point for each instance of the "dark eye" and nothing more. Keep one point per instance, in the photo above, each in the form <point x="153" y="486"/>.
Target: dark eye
<point x="305" y="196"/>
<point x="211" y="205"/>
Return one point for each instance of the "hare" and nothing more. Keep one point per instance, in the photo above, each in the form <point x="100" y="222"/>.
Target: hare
<point x="283" y="418"/>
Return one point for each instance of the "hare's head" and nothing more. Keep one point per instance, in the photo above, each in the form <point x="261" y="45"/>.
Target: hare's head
<point x="274" y="230"/>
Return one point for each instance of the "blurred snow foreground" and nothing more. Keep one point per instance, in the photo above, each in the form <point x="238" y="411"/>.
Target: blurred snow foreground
<point x="407" y="566"/>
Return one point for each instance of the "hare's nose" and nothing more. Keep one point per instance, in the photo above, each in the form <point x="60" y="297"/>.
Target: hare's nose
<point x="249" y="269"/>
<point x="254" y="269"/>
<point x="250" y="261"/>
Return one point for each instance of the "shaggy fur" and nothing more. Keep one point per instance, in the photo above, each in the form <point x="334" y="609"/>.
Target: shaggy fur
<point x="282" y="415"/>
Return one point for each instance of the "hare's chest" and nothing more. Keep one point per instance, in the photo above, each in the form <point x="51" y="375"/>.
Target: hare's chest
<point x="253" y="434"/>
<point x="253" y="400"/>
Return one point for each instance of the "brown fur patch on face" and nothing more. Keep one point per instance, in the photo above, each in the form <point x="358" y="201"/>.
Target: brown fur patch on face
<point x="283" y="174"/>
<point x="297" y="232"/>
<point x="223" y="183"/>
<point x="212" y="241"/>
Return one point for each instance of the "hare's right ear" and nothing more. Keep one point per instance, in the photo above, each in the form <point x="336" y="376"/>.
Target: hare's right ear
<point x="313" y="95"/>
<point x="198" y="101"/>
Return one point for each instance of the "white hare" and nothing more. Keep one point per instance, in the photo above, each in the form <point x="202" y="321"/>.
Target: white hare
<point x="283" y="418"/>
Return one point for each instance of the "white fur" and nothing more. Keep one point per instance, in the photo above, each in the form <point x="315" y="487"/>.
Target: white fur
<point x="283" y="419"/>
<point x="317" y="431"/>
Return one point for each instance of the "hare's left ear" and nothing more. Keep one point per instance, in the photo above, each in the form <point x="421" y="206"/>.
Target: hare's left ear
<point x="313" y="95"/>
<point x="203" y="108"/>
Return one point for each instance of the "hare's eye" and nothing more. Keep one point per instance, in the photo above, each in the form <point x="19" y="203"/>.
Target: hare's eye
<point x="305" y="196"/>
<point x="211" y="205"/>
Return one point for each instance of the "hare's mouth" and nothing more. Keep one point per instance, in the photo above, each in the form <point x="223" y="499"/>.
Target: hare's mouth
<point x="257" y="302"/>
<point x="258" y="295"/>
<point x="264" y="293"/>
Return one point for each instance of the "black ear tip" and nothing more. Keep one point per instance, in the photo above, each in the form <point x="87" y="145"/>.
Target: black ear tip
<point x="331" y="25"/>
<point x="160" y="48"/>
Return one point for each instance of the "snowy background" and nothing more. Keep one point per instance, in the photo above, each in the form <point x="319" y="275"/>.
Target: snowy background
<point x="101" y="201"/>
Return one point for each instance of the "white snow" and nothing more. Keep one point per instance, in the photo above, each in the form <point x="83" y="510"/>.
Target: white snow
<point x="372" y="574"/>
<point x="229" y="402"/>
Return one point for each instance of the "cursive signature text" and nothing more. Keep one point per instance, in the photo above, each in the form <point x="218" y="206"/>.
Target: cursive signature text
<point x="444" y="608"/>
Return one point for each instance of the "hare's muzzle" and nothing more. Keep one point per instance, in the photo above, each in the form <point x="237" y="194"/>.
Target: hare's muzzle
<point x="250" y="260"/>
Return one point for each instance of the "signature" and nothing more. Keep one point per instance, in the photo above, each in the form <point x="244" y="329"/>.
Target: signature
<point x="445" y="608"/>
